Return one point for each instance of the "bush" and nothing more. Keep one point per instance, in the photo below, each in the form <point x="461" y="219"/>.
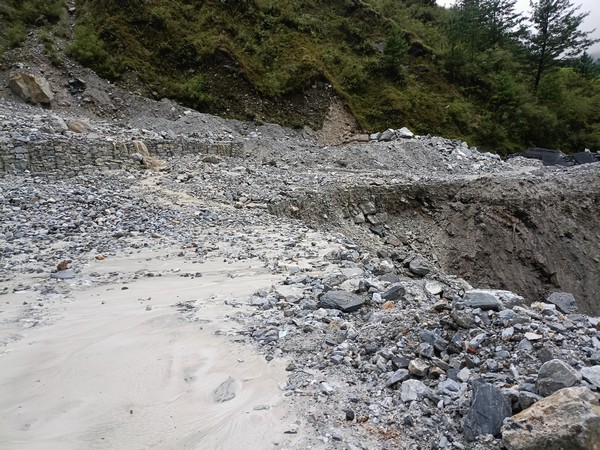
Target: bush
<point x="90" y="50"/>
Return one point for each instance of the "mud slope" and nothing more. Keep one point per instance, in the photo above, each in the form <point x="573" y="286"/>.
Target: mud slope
<point x="531" y="235"/>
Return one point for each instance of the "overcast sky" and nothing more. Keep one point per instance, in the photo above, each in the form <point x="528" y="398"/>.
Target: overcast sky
<point x="592" y="21"/>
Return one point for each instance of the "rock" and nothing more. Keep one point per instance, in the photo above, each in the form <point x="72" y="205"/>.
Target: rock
<point x="591" y="375"/>
<point x="63" y="265"/>
<point x="568" y="419"/>
<point x="413" y="389"/>
<point x="225" y="391"/>
<point x="434" y="287"/>
<point x="368" y="208"/>
<point x="488" y="410"/>
<point x="462" y="318"/>
<point x="420" y="266"/>
<point x="484" y="299"/>
<point x="418" y="367"/>
<point x="327" y="389"/>
<point x="405" y="133"/>
<point x="564" y="301"/>
<point x="342" y="300"/>
<point x="398" y="375"/>
<point x="77" y="126"/>
<point x="31" y="88"/>
<point x="555" y="375"/>
<point x="394" y="293"/>
<point x="387" y="135"/>
<point x="67" y="274"/>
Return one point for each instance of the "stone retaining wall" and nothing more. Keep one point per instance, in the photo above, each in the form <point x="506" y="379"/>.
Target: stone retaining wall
<point x="77" y="154"/>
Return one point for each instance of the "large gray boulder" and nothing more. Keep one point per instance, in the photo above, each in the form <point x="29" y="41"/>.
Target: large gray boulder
<point x="555" y="375"/>
<point x="342" y="300"/>
<point x="568" y="419"/>
<point x="30" y="87"/>
<point x="488" y="410"/>
<point x="564" y="301"/>
<point x="492" y="299"/>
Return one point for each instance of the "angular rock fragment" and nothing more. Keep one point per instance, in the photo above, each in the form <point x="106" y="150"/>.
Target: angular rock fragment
<point x="564" y="301"/>
<point x="555" y="375"/>
<point x="225" y="391"/>
<point x="420" y="266"/>
<point x="31" y="88"/>
<point x="342" y="300"/>
<point x="592" y="375"/>
<point x="488" y="410"/>
<point x="394" y="293"/>
<point x="568" y="419"/>
<point x="484" y="299"/>
<point x="413" y="389"/>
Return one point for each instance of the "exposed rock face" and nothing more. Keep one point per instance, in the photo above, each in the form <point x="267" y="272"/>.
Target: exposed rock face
<point x="555" y="375"/>
<point x="569" y="419"/>
<point x="488" y="410"/>
<point x="31" y="88"/>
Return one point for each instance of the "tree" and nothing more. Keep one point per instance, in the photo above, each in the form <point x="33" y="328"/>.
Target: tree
<point x="556" y="34"/>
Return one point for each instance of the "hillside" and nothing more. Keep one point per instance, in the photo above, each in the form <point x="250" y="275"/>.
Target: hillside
<point x="394" y="64"/>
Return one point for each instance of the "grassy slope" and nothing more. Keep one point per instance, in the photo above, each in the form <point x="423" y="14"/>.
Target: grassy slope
<point x="280" y="48"/>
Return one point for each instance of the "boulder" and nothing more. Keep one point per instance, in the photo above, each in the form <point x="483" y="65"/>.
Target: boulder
<point x="342" y="300"/>
<point x="484" y="299"/>
<point x="30" y="87"/>
<point x="488" y="410"/>
<point x="77" y="126"/>
<point x="592" y="375"/>
<point x="568" y="419"/>
<point x="387" y="135"/>
<point x="564" y="301"/>
<point x="555" y="375"/>
<point x="413" y="389"/>
<point x="394" y="293"/>
<point x="420" y="266"/>
<point x="405" y="133"/>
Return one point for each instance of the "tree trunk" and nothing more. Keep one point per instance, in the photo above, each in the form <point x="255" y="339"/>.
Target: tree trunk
<point x="540" y="69"/>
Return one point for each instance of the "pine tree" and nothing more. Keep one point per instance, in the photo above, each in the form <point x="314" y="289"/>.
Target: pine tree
<point x="556" y="34"/>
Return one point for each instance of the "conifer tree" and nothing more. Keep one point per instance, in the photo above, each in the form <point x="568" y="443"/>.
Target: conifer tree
<point x="556" y="34"/>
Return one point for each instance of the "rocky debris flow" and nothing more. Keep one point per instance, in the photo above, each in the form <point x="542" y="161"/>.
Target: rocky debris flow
<point x="441" y="370"/>
<point x="384" y="349"/>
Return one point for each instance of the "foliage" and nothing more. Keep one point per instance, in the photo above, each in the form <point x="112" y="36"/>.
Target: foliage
<point x="556" y="34"/>
<point x="462" y="72"/>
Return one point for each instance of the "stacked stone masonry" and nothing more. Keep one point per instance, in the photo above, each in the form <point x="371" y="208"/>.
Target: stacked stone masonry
<point x="75" y="154"/>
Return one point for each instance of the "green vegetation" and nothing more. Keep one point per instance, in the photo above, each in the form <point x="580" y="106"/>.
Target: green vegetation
<point x="470" y="72"/>
<point x="16" y="16"/>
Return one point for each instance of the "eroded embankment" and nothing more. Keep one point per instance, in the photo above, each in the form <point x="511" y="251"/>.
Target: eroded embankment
<point x="531" y="235"/>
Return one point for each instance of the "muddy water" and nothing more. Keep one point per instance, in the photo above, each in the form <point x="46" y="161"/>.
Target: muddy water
<point x="122" y="368"/>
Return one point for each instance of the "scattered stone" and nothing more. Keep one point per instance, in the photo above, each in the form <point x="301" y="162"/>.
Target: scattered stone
<point x="591" y="375"/>
<point x="564" y="301"/>
<point x="484" y="299"/>
<point x="342" y="300"/>
<point x="225" y="391"/>
<point x="420" y="266"/>
<point x="488" y="410"/>
<point x="412" y="390"/>
<point x="555" y="375"/>
<point x="394" y="293"/>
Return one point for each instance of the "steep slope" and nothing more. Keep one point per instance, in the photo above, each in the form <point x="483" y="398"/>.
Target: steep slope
<point x="270" y="61"/>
